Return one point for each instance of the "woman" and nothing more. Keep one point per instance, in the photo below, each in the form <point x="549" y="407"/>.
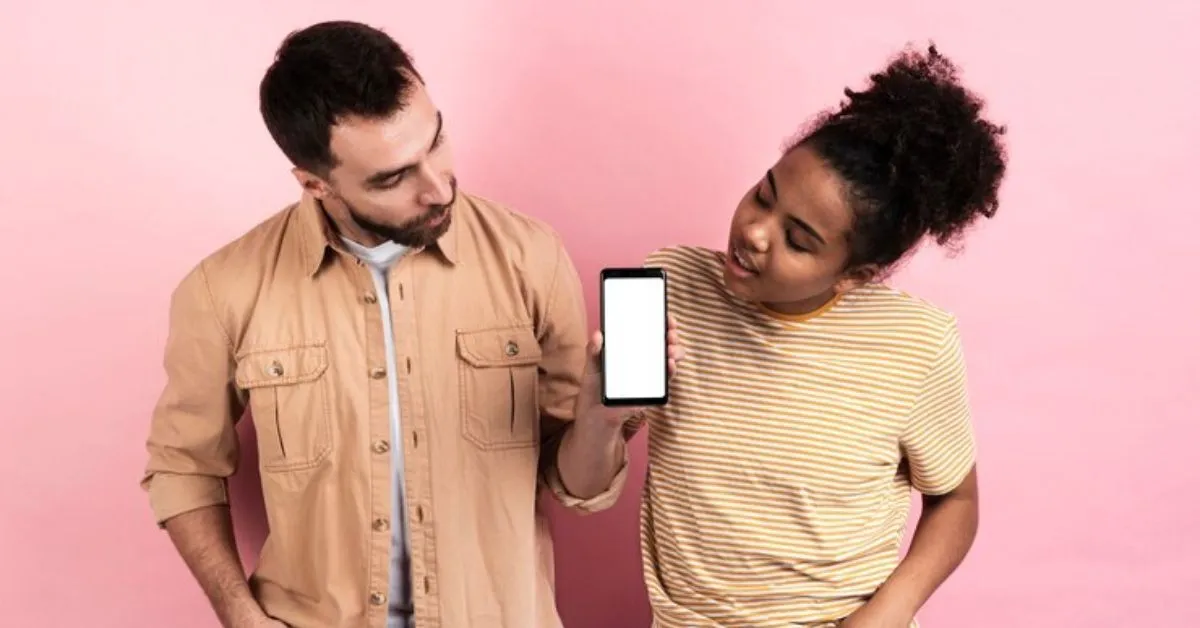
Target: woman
<point x="814" y="398"/>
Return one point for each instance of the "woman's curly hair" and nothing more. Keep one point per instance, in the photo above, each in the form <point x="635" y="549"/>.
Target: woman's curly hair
<point x="916" y="156"/>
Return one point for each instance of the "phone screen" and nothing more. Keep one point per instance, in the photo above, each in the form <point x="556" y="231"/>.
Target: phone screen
<point x="634" y="324"/>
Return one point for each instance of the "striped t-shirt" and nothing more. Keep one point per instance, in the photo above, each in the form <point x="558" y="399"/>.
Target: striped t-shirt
<point x="780" y="473"/>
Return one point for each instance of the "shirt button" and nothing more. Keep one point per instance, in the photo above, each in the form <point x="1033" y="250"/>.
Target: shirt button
<point x="378" y="598"/>
<point x="275" y="369"/>
<point x="380" y="447"/>
<point x="416" y="440"/>
<point x="380" y="525"/>
<point x="369" y="298"/>
<point x="378" y="372"/>
<point x="420" y="514"/>
<point x="426" y="581"/>
<point x="511" y="349"/>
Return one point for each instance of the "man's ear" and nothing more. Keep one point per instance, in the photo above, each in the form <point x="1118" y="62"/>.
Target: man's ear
<point x="311" y="183"/>
<point x="856" y="277"/>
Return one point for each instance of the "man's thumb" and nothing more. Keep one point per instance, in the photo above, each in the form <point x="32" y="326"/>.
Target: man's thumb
<point x="594" y="345"/>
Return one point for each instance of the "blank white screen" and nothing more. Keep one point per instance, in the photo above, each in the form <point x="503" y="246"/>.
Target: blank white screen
<point x="635" y="345"/>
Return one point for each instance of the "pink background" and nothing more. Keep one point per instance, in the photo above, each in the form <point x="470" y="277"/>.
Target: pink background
<point x="132" y="146"/>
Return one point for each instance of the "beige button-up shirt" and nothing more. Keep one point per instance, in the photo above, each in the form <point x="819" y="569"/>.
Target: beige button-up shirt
<point x="491" y="342"/>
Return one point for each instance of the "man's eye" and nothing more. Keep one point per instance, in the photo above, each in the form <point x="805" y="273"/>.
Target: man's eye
<point x="391" y="182"/>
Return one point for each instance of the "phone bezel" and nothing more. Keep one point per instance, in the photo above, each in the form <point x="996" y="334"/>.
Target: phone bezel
<point x="643" y="272"/>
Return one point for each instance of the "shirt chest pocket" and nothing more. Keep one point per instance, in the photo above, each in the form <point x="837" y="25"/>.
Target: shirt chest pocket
<point x="498" y="387"/>
<point x="289" y="404"/>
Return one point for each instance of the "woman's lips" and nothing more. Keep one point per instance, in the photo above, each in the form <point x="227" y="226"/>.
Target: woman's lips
<point x="741" y="264"/>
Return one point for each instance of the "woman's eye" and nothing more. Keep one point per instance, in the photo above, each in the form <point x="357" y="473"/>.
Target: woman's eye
<point x="799" y="248"/>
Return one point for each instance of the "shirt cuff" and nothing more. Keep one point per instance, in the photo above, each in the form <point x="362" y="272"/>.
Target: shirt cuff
<point x="600" y="502"/>
<point x="173" y="494"/>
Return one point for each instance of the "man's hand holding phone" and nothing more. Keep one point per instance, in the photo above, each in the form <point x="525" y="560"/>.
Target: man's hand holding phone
<point x="629" y="362"/>
<point x="590" y="406"/>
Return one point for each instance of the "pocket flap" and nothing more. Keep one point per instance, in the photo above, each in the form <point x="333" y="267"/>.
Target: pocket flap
<point x="512" y="346"/>
<point x="280" y="367"/>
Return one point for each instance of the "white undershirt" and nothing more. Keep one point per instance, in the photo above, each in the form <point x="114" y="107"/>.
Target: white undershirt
<point x="380" y="259"/>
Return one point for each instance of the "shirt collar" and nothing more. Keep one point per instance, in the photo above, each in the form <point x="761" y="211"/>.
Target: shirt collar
<point x="319" y="235"/>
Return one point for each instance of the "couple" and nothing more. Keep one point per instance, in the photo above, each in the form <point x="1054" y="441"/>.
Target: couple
<point x="418" y="368"/>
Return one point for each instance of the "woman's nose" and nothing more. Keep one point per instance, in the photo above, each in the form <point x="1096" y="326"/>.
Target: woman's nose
<point x="757" y="237"/>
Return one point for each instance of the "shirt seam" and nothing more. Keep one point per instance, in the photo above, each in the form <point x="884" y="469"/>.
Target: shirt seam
<point x="552" y="289"/>
<point x="212" y="303"/>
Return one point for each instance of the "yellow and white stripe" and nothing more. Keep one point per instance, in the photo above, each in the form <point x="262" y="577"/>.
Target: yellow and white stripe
<point x="780" y="473"/>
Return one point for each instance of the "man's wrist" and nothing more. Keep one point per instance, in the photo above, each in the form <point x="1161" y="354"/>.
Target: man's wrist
<point x="598" y="429"/>
<point x="247" y="613"/>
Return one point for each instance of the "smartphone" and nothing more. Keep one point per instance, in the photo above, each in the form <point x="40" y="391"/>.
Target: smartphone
<point x="633" y="319"/>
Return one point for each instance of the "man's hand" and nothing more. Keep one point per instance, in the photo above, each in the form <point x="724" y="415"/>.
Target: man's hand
<point x="589" y="408"/>
<point x="592" y="450"/>
<point x="204" y="538"/>
<point x="267" y="622"/>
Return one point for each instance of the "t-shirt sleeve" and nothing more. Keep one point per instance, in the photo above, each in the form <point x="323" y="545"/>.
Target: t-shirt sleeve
<point x="938" y="441"/>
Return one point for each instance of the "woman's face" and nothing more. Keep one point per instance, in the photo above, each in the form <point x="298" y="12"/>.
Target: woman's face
<point x="788" y="241"/>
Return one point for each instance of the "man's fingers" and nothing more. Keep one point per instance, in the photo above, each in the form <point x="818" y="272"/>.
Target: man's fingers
<point x="593" y="360"/>
<point x="596" y="344"/>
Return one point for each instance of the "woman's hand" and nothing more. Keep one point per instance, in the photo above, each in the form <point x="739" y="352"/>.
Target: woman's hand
<point x="875" y="616"/>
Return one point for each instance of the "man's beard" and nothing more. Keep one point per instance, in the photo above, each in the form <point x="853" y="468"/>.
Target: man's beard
<point x="415" y="232"/>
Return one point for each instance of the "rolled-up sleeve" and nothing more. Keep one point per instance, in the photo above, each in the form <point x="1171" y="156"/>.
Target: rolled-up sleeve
<point x="597" y="503"/>
<point x="192" y="446"/>
<point x="564" y="338"/>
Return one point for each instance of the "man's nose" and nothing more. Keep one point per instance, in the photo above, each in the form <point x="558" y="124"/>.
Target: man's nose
<point x="438" y="189"/>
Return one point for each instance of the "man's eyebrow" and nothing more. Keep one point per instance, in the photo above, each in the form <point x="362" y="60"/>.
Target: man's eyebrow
<point x="384" y="175"/>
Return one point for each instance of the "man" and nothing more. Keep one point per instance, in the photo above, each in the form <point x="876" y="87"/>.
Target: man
<point x="411" y="356"/>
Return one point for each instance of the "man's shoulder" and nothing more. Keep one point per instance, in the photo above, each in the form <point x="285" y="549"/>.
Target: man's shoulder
<point x="234" y="272"/>
<point x="254" y="246"/>
<point x="524" y="252"/>
<point x="515" y="226"/>
<point x="496" y="228"/>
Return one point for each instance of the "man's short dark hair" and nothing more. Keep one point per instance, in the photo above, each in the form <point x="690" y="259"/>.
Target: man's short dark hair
<point x="325" y="73"/>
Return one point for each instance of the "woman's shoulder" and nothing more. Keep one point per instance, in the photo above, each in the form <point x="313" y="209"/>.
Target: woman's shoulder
<point x="685" y="260"/>
<point x="695" y="275"/>
<point x="890" y="307"/>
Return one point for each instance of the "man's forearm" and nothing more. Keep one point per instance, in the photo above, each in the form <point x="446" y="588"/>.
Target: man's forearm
<point x="944" y="535"/>
<point x="589" y="456"/>
<point x="204" y="538"/>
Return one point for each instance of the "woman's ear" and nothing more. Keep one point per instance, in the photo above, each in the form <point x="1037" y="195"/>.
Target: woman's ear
<point x="855" y="277"/>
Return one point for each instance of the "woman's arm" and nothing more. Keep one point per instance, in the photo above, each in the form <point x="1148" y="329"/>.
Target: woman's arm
<point x="943" y="536"/>
<point x="945" y="533"/>
<point x="939" y="448"/>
